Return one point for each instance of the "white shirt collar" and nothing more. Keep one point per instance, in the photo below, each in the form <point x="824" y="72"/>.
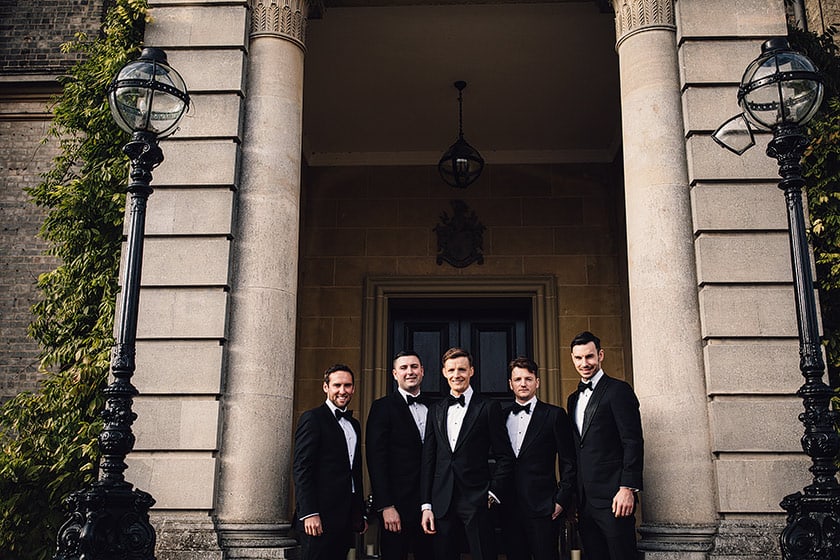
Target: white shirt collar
<point x="533" y="401"/>
<point x="333" y="408"/>
<point x="405" y="394"/>
<point x="596" y="378"/>
<point x="467" y="395"/>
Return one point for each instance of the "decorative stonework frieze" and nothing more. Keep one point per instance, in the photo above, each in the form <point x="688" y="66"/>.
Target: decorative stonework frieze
<point x="632" y="16"/>
<point x="282" y="18"/>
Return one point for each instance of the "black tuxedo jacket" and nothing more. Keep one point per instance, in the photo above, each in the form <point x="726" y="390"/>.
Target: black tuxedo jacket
<point x="482" y="437"/>
<point x="324" y="480"/>
<point x="546" y="447"/>
<point x="610" y="448"/>
<point x="394" y="449"/>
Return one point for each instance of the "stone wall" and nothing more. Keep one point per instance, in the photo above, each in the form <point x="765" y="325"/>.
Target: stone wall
<point x="748" y="320"/>
<point x="564" y="221"/>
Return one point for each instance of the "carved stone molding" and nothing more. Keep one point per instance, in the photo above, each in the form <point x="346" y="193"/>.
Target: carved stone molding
<point x="281" y="18"/>
<point x="633" y="16"/>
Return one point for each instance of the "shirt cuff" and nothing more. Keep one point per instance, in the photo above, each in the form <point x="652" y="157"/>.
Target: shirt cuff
<point x="492" y="495"/>
<point x="426" y="507"/>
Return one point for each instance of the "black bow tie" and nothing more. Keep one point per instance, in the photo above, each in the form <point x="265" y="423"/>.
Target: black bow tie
<point x="411" y="399"/>
<point x="457" y="400"/>
<point x="346" y="414"/>
<point x="517" y="408"/>
<point x="584" y="386"/>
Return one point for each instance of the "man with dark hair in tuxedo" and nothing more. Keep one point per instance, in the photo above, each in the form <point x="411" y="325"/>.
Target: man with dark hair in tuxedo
<point x="541" y="438"/>
<point x="396" y="426"/>
<point x="327" y="471"/>
<point x="464" y="432"/>
<point x="607" y="431"/>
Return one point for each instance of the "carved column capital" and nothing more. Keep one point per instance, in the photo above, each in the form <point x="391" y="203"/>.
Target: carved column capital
<point x="285" y="19"/>
<point x="634" y="16"/>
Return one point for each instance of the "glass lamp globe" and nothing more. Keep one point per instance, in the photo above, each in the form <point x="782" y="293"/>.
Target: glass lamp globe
<point x="780" y="87"/>
<point x="461" y="165"/>
<point x="147" y="95"/>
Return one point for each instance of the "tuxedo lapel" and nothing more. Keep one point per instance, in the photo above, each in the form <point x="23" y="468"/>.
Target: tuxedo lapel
<point x="440" y="419"/>
<point x="535" y="426"/>
<point x="404" y="414"/>
<point x="332" y="421"/>
<point x="592" y="405"/>
<point x="473" y="411"/>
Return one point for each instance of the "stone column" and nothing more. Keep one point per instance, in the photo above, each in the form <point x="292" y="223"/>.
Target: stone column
<point x="679" y="513"/>
<point x="252" y="507"/>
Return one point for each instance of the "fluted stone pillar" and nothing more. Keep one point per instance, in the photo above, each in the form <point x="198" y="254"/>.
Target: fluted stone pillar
<point x="679" y="503"/>
<point x="252" y="513"/>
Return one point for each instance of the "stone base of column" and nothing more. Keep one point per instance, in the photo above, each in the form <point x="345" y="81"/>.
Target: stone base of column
<point x="257" y="541"/>
<point x="676" y="542"/>
<point x="749" y="539"/>
<point x="185" y="536"/>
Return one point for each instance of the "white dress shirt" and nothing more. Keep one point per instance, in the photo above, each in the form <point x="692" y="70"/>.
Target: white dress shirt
<point x="418" y="411"/>
<point x="455" y="418"/>
<point x="583" y="400"/>
<point x="517" y="425"/>
<point x="349" y="436"/>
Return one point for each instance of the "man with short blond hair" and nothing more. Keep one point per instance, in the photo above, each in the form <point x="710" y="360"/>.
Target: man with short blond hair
<point x="465" y="431"/>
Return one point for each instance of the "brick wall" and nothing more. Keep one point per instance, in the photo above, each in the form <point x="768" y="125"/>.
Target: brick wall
<point x="22" y="259"/>
<point x="561" y="220"/>
<point x="32" y="32"/>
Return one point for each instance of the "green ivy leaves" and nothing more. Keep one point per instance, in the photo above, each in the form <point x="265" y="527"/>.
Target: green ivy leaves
<point x="48" y="445"/>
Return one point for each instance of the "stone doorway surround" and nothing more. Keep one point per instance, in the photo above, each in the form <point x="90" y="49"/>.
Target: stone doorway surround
<point x="380" y="292"/>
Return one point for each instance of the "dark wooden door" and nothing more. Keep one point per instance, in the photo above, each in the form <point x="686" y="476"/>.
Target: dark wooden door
<point x="493" y="330"/>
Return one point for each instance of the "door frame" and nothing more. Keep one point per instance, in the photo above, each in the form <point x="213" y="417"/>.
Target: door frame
<point x="379" y="291"/>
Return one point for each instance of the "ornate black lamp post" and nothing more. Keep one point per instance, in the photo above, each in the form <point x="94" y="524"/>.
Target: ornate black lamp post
<point x="781" y="91"/>
<point x="110" y="519"/>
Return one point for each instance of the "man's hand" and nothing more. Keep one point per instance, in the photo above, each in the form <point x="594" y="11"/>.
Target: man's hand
<point x="623" y="503"/>
<point x="391" y="519"/>
<point x="428" y="522"/>
<point x="558" y="509"/>
<point x="312" y="526"/>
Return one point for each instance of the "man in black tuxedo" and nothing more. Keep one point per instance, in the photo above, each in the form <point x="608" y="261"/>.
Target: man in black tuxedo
<point x="464" y="432"/>
<point x="607" y="430"/>
<point x="396" y="426"/>
<point x="327" y="472"/>
<point x="541" y="437"/>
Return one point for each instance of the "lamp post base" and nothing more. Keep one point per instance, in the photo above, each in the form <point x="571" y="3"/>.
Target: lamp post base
<point x="107" y="522"/>
<point x="813" y="530"/>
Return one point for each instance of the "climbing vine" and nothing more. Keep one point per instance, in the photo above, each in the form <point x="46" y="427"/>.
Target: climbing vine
<point x="48" y="437"/>
<point x="822" y="171"/>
